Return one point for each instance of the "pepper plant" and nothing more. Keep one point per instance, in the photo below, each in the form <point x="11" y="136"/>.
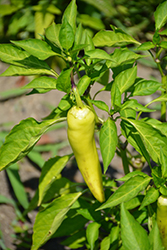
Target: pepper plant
<point x="126" y="219"/>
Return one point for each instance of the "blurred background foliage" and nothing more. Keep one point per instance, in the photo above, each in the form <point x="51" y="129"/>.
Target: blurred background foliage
<point x="22" y="19"/>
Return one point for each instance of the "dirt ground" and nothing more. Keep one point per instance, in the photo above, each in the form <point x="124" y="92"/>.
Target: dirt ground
<point x="12" y="111"/>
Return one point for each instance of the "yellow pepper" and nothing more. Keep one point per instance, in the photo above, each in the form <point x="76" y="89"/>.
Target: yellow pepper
<point x="162" y="218"/>
<point x="81" y="124"/>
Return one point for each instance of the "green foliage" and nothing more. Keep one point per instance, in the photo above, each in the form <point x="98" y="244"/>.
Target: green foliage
<point x="66" y="207"/>
<point x="108" y="142"/>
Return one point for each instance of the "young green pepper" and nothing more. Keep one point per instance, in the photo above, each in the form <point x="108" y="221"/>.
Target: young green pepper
<point x="81" y="124"/>
<point x="162" y="218"/>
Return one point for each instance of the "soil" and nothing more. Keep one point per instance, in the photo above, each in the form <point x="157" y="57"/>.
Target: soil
<point x="15" y="108"/>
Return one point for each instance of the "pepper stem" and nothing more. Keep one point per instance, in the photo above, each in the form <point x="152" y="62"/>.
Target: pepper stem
<point x="77" y="97"/>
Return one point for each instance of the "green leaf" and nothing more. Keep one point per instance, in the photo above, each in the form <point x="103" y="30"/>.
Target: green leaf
<point x="90" y="21"/>
<point x="160" y="15"/>
<point x="105" y="243"/>
<point x="66" y="35"/>
<point x="33" y="204"/>
<point x="162" y="98"/>
<point x="161" y="126"/>
<point x="83" y="84"/>
<point x="163" y="161"/>
<point x="11" y="93"/>
<point x="134" y="138"/>
<point x="49" y="219"/>
<point x="150" y="197"/>
<point x="39" y="91"/>
<point x="21" y="140"/>
<point x="4" y="199"/>
<point x="141" y="216"/>
<point x="17" y="185"/>
<point x="108" y="141"/>
<point x="128" y="113"/>
<point x="97" y="71"/>
<point x="134" y="202"/>
<point x="163" y="44"/>
<point x="76" y="49"/>
<point x="57" y="187"/>
<point x="88" y="212"/>
<point x="133" y="104"/>
<point x="90" y="47"/>
<point x="100" y="104"/>
<point x="7" y="9"/>
<point x="157" y="176"/>
<point x="126" y="79"/>
<point x="65" y="103"/>
<point x="145" y="87"/>
<point x="156" y="38"/>
<point x="52" y="8"/>
<point x="76" y="240"/>
<point x="49" y="8"/>
<point x="43" y="82"/>
<point x="50" y="171"/>
<point x="36" y="47"/>
<point x="103" y="5"/>
<point x="137" y="236"/>
<point x="121" y="56"/>
<point x="127" y="191"/>
<point x="37" y="158"/>
<point x="16" y="56"/>
<point x="98" y="54"/>
<point x="21" y="71"/>
<point x="70" y="14"/>
<point x="114" y="38"/>
<point x="42" y="20"/>
<point x="79" y="39"/>
<point x="115" y="95"/>
<point x="155" y="238"/>
<point x="104" y="78"/>
<point x="163" y="32"/>
<point x="132" y="174"/>
<point x="146" y="46"/>
<point x="151" y="138"/>
<point x="64" y="80"/>
<point x="71" y="224"/>
<point x="52" y="33"/>
<point x="11" y="54"/>
<point x="92" y="233"/>
<point x="114" y="236"/>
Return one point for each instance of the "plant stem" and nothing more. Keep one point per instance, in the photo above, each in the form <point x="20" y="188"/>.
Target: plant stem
<point x="163" y="111"/>
<point x="97" y="120"/>
<point x="123" y="151"/>
<point x="77" y="97"/>
<point x="125" y="161"/>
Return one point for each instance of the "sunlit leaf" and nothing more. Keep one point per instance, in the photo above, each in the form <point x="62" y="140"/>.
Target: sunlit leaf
<point x="92" y="233"/>
<point x="36" y="47"/>
<point x="50" y="171"/>
<point x="113" y="38"/>
<point x="127" y="191"/>
<point x="150" y="197"/>
<point x="152" y="138"/>
<point x="160" y="15"/>
<point x="43" y="82"/>
<point x="108" y="142"/>
<point x="49" y="219"/>
<point x="21" y="140"/>
<point x="137" y="236"/>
